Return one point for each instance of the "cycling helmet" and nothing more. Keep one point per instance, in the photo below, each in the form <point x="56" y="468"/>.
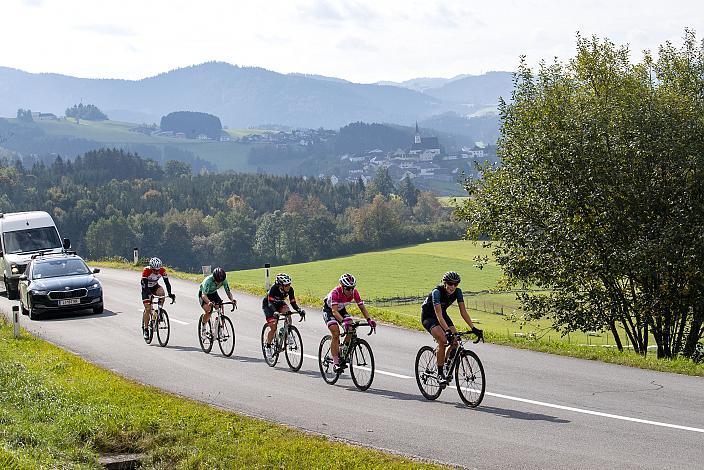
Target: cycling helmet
<point x="451" y="277"/>
<point x="348" y="280"/>
<point x="219" y="274"/>
<point x="283" y="279"/>
<point x="154" y="263"/>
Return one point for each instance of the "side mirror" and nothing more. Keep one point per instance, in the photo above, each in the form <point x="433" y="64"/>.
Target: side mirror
<point x="96" y="270"/>
<point x="66" y="244"/>
<point x="23" y="277"/>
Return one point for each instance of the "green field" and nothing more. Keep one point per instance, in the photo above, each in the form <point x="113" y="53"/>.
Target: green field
<point x="410" y="271"/>
<point x="58" y="411"/>
<point x="226" y="155"/>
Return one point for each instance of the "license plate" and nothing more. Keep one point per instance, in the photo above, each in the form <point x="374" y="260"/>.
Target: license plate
<point x="69" y="302"/>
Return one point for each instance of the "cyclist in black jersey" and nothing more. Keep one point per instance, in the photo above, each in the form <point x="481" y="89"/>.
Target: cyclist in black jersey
<point x="439" y="324"/>
<point x="275" y="302"/>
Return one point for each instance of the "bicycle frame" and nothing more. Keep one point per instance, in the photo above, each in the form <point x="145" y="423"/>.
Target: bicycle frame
<point x="350" y="341"/>
<point x="281" y="341"/>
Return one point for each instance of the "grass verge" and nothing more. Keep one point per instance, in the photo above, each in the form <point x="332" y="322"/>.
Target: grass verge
<point x="58" y="411"/>
<point x="409" y="317"/>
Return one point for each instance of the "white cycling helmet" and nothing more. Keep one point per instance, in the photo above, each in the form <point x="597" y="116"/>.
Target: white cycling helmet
<point x="283" y="279"/>
<point x="154" y="263"/>
<point x="348" y="280"/>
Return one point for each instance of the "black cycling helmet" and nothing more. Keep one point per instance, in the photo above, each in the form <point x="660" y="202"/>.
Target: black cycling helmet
<point x="219" y="274"/>
<point x="451" y="277"/>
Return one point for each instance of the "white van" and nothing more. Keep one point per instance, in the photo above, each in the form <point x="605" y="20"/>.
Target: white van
<point x="23" y="234"/>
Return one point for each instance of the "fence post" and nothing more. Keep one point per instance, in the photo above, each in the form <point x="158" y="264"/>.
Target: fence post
<point x="135" y="254"/>
<point x="267" y="282"/>
<point x="16" y="320"/>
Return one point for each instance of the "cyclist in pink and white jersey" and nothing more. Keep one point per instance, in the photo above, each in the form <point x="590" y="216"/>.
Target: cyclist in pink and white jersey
<point x="335" y="313"/>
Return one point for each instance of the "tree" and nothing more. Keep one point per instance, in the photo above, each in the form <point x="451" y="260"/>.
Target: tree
<point x="88" y="112"/>
<point x="381" y="183"/>
<point x="24" y="115"/>
<point x="192" y="124"/>
<point x="109" y="237"/>
<point x="427" y="209"/>
<point x="600" y="196"/>
<point x="408" y="192"/>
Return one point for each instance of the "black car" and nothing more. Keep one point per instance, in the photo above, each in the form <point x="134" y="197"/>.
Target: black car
<point x="57" y="283"/>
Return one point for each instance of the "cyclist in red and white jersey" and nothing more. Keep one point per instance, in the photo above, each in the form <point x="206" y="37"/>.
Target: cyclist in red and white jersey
<point x="335" y="313"/>
<point x="150" y="286"/>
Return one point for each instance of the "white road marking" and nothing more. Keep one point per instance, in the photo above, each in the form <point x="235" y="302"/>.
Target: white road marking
<point x="382" y="372"/>
<point x="179" y="321"/>
<point x="596" y="413"/>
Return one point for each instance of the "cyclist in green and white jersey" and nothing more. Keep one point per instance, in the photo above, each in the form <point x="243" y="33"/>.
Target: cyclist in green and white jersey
<point x="208" y="293"/>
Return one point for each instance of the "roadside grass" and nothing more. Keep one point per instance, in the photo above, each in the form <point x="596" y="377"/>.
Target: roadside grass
<point x="452" y="201"/>
<point x="58" y="411"/>
<point x="418" y="269"/>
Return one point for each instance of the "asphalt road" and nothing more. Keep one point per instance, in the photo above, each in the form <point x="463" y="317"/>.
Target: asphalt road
<point x="540" y="411"/>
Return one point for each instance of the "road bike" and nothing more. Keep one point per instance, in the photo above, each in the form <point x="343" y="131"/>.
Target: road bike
<point x="158" y="322"/>
<point x="354" y="351"/>
<point x="467" y="368"/>
<point x="288" y="340"/>
<point x="224" y="330"/>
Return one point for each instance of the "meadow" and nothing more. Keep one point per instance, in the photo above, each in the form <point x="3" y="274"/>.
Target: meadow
<point x="225" y="155"/>
<point x="59" y="411"/>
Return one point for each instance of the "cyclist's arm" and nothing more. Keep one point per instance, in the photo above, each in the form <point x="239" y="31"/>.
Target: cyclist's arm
<point x="229" y="292"/>
<point x="360" y="304"/>
<point x="292" y="300"/>
<point x="465" y="314"/>
<point x="168" y="284"/>
<point x="463" y="309"/>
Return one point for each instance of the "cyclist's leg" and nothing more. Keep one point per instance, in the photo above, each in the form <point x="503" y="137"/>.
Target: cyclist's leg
<point x="206" y="309"/>
<point x="146" y="300"/>
<point x="271" y="320"/>
<point x="453" y="329"/>
<point x="439" y="336"/>
<point x="334" y="328"/>
<point x="159" y="291"/>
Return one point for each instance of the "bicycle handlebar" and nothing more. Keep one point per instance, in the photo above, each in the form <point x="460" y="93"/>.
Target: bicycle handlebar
<point x="480" y="336"/>
<point x="302" y="314"/>
<point x="356" y="324"/>
<point x="161" y="297"/>
<point x="234" y="305"/>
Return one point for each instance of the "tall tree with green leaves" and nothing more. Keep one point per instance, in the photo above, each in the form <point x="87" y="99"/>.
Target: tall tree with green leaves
<point x="600" y="197"/>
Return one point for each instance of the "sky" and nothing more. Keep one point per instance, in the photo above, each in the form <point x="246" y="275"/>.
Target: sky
<point x="363" y="41"/>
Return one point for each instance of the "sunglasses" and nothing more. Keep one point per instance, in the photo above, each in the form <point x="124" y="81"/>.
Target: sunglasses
<point x="455" y="284"/>
<point x="348" y="288"/>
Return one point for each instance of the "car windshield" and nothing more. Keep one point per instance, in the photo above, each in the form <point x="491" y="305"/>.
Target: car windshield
<point x="34" y="239"/>
<point x="59" y="267"/>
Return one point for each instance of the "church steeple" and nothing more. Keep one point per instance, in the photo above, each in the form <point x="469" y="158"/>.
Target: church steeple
<point x="417" y="138"/>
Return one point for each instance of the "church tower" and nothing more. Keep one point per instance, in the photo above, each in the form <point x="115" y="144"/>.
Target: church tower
<point x="417" y="139"/>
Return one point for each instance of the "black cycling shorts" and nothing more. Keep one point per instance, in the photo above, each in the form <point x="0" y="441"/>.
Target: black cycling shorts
<point x="329" y="317"/>
<point x="214" y="297"/>
<point x="431" y="320"/>
<point x="149" y="291"/>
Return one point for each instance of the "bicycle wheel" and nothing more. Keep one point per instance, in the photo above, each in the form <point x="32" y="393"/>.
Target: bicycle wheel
<point x="206" y="340"/>
<point x="226" y="336"/>
<point x="325" y="361"/>
<point x="163" y="328"/>
<point x="273" y="357"/>
<point x="469" y="378"/>
<point x="293" y="347"/>
<point x="427" y="373"/>
<point x="362" y="364"/>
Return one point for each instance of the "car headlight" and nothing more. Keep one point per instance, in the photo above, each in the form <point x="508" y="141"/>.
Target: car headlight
<point x="15" y="269"/>
<point x="38" y="292"/>
<point x="94" y="286"/>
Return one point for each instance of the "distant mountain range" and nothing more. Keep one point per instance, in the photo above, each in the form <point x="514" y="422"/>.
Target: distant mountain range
<point x="249" y="96"/>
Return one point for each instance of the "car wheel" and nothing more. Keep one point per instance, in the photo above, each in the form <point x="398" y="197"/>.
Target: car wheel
<point x="33" y="315"/>
<point x="99" y="309"/>
<point x="23" y="310"/>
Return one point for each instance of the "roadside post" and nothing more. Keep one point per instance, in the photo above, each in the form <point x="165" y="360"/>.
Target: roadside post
<point x="135" y="253"/>
<point x="267" y="282"/>
<point x="16" y="320"/>
<point x="206" y="270"/>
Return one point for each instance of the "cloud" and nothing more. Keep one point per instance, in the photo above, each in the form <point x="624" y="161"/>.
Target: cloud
<point x="106" y="29"/>
<point x="33" y="3"/>
<point x="355" y="44"/>
<point x="328" y="11"/>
